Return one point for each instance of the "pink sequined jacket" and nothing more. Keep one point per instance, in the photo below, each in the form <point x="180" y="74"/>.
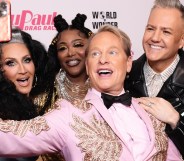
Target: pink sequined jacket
<point x="83" y="134"/>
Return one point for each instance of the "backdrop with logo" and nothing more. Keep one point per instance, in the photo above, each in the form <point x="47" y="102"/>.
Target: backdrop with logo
<point x="35" y="17"/>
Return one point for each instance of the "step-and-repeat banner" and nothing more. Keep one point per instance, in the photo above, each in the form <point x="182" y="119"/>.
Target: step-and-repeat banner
<point x="35" y="17"/>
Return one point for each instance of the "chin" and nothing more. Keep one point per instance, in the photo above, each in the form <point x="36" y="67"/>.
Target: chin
<point x="25" y="91"/>
<point x="104" y="89"/>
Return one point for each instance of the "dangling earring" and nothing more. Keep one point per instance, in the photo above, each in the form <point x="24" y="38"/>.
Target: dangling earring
<point x="35" y="81"/>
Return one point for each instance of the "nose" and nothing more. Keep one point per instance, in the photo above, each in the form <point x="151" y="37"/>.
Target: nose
<point x="71" y="52"/>
<point x="156" y="36"/>
<point x="22" y="69"/>
<point x="103" y="58"/>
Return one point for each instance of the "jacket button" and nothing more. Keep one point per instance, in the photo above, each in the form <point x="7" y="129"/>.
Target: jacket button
<point x="177" y="99"/>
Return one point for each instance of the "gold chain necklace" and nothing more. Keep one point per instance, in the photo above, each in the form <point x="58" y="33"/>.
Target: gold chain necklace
<point x="72" y="92"/>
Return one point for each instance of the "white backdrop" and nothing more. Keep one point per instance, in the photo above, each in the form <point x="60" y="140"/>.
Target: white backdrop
<point x="35" y="17"/>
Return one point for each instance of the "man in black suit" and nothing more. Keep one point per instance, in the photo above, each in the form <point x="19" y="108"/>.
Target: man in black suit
<point x="160" y="71"/>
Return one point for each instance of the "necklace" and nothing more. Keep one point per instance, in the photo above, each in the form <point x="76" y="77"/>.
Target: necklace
<point x="72" y="92"/>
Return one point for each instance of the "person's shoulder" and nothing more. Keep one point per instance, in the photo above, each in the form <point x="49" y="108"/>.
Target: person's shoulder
<point x="137" y="68"/>
<point x="181" y="54"/>
<point x="137" y="106"/>
<point x="134" y="101"/>
<point x="62" y="103"/>
<point x="140" y="60"/>
<point x="60" y="109"/>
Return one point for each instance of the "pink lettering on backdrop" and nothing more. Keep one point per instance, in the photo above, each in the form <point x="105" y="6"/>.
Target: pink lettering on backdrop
<point x="28" y="18"/>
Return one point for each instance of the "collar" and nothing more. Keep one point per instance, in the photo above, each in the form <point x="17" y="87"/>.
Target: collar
<point x="149" y="72"/>
<point x="99" y="93"/>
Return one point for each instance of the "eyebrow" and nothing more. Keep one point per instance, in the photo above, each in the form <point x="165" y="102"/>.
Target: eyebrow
<point x="22" y="57"/>
<point x="165" y="28"/>
<point x="62" y="42"/>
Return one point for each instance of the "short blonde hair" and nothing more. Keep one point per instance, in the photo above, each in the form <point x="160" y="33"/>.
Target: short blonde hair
<point x="126" y="43"/>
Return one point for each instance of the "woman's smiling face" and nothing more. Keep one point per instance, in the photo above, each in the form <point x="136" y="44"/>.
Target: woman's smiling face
<point x="71" y="47"/>
<point x="18" y="66"/>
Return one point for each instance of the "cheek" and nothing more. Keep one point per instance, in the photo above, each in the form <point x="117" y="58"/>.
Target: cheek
<point x="32" y="68"/>
<point x="10" y="74"/>
<point x="88" y="68"/>
<point x="121" y="69"/>
<point x="143" y="40"/>
<point x="121" y="72"/>
<point x="81" y="52"/>
<point x="172" y="42"/>
<point x="60" y="58"/>
<point x="146" y="36"/>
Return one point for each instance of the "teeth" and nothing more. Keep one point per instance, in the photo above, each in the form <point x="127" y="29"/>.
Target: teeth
<point x="104" y="71"/>
<point x="22" y="80"/>
<point x="155" y="47"/>
<point x="73" y="62"/>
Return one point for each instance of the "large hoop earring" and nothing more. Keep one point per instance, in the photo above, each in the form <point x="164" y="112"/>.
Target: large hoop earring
<point x="35" y="81"/>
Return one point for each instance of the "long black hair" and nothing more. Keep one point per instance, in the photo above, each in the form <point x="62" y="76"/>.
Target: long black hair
<point x="14" y="105"/>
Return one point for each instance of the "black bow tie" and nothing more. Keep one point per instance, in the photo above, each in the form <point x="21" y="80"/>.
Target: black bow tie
<point x="108" y="100"/>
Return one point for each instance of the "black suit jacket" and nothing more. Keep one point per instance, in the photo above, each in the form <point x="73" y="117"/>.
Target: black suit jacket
<point x="172" y="91"/>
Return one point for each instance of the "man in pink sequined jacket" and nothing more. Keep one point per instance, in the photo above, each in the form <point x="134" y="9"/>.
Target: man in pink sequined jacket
<point x="109" y="126"/>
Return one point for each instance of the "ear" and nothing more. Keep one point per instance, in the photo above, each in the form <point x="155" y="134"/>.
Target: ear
<point x="182" y="42"/>
<point x="129" y="64"/>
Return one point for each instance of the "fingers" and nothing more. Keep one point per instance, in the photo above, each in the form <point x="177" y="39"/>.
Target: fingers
<point x="161" y="109"/>
<point x="147" y="108"/>
<point x="146" y="101"/>
<point x="150" y="104"/>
